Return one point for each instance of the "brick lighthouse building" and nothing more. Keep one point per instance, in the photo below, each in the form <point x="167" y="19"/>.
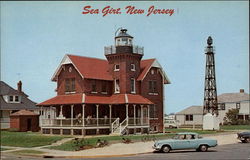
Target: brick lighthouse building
<point x="121" y="95"/>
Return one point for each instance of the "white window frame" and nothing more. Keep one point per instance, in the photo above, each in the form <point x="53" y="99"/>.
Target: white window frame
<point x="133" y="89"/>
<point x="117" y="86"/>
<point x="117" y="69"/>
<point x="132" y="67"/>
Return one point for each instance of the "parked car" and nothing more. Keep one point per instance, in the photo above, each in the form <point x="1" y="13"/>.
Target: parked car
<point x="185" y="140"/>
<point x="244" y="137"/>
<point x="171" y="123"/>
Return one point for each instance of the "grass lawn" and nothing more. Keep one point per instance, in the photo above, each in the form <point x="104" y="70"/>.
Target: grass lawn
<point x="235" y="127"/>
<point x="27" y="152"/>
<point x="27" y="139"/>
<point x="91" y="142"/>
<point x="5" y="149"/>
<point x="192" y="130"/>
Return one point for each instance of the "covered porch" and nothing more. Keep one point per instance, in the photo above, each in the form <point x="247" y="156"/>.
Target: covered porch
<point x="120" y="114"/>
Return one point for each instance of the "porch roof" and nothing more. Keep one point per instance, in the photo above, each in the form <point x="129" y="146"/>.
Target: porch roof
<point x="87" y="99"/>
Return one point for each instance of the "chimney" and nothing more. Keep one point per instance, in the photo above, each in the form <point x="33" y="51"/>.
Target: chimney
<point x="241" y="90"/>
<point x="19" y="86"/>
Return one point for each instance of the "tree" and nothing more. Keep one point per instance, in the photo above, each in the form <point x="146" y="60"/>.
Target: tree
<point x="232" y="116"/>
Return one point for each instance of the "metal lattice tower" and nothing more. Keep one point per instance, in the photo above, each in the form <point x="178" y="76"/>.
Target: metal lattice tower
<point x="210" y="94"/>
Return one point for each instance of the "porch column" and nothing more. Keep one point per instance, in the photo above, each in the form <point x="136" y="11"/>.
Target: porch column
<point x="41" y="116"/>
<point x="127" y="113"/>
<point x="61" y="115"/>
<point x="72" y="109"/>
<point x="97" y="115"/>
<point x="110" y="113"/>
<point x="83" y="114"/>
<point x="141" y="114"/>
<point x="134" y="115"/>
<point x="50" y="120"/>
<point x="148" y="114"/>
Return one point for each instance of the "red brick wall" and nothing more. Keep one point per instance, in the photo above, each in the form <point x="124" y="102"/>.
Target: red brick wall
<point x="124" y="74"/>
<point x="156" y="99"/>
<point x="66" y="74"/>
<point x="20" y="123"/>
<point x="14" y="123"/>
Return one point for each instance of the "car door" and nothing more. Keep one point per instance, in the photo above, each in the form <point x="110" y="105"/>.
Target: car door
<point x="181" y="143"/>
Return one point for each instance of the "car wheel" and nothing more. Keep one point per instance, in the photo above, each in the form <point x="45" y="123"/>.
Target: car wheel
<point x="165" y="149"/>
<point x="247" y="140"/>
<point x="203" y="148"/>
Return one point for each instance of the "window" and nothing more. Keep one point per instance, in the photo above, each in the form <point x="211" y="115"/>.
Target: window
<point x="117" y="86"/>
<point x="132" y="67"/>
<point x="70" y="85"/>
<point x="104" y="87"/>
<point x="237" y="105"/>
<point x="152" y="87"/>
<point x="11" y="98"/>
<point x="16" y="98"/>
<point x="93" y="86"/>
<point x="222" y="106"/>
<point x="117" y="67"/>
<point x="132" y="84"/>
<point x="153" y="111"/>
<point x="189" y="117"/>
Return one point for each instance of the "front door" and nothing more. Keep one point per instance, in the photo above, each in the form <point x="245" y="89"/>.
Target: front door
<point x="29" y="124"/>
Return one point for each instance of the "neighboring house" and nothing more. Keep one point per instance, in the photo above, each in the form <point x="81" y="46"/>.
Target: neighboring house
<point x="226" y="101"/>
<point x="234" y="100"/>
<point x="12" y="100"/>
<point x="192" y="115"/>
<point x="122" y="94"/>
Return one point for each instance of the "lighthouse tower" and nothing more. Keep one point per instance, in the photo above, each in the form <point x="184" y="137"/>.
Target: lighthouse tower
<point x="210" y="108"/>
<point x="124" y="63"/>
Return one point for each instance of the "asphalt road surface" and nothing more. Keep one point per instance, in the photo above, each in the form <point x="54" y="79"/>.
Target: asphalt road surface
<point x="239" y="151"/>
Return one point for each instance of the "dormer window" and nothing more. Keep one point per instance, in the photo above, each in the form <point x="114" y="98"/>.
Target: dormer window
<point x="132" y="67"/>
<point x="14" y="99"/>
<point x="117" y="67"/>
<point x="11" y="99"/>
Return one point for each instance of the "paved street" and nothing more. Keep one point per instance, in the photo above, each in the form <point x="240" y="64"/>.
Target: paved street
<point x="238" y="151"/>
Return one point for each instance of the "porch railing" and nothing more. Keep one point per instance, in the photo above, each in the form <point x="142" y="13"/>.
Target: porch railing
<point x="123" y="125"/>
<point x="138" y="121"/>
<point x="115" y="125"/>
<point x="77" y="122"/>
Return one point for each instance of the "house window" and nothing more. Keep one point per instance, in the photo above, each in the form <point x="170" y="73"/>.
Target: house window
<point x="152" y="87"/>
<point x="11" y="98"/>
<point x="16" y="98"/>
<point x="222" y="106"/>
<point x="132" y="84"/>
<point x="117" y="67"/>
<point x="237" y="105"/>
<point x="104" y="87"/>
<point x="153" y="111"/>
<point x="132" y="67"/>
<point x="94" y="87"/>
<point x="189" y="117"/>
<point x="70" y="85"/>
<point x="1" y="114"/>
<point x="117" y="86"/>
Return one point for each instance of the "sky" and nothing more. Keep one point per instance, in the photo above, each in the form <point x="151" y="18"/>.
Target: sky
<point x="36" y="35"/>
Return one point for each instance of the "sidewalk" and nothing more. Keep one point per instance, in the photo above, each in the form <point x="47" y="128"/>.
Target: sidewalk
<point x="121" y="149"/>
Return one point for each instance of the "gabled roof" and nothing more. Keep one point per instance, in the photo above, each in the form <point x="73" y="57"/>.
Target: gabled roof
<point x="26" y="103"/>
<point x="147" y="64"/>
<point x="5" y="89"/>
<point x="233" y="97"/>
<point x="87" y="99"/>
<point x="92" y="68"/>
<point x="196" y="110"/>
<point x="24" y="112"/>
